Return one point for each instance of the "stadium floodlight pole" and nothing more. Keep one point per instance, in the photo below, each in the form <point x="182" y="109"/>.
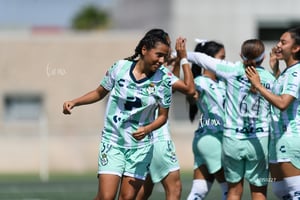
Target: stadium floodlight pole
<point x="44" y="169"/>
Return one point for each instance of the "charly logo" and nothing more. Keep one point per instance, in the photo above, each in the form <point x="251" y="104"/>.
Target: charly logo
<point x="282" y="149"/>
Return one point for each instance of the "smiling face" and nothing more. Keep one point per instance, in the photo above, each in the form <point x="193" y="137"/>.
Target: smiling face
<point x="286" y="49"/>
<point x="284" y="46"/>
<point x="155" y="57"/>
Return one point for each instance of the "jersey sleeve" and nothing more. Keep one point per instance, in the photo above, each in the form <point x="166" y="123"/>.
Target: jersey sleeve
<point x="108" y="81"/>
<point x="165" y="91"/>
<point x="292" y="86"/>
<point x="173" y="77"/>
<point x="221" y="68"/>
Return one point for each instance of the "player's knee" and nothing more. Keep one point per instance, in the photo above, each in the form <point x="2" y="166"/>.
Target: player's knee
<point x="178" y="188"/>
<point x="177" y="185"/>
<point x="173" y="189"/>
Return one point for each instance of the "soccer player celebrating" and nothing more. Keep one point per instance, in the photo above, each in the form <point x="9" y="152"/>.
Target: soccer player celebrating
<point x="138" y="88"/>
<point x="247" y="120"/>
<point x="164" y="165"/>
<point x="207" y="142"/>
<point x="285" y="100"/>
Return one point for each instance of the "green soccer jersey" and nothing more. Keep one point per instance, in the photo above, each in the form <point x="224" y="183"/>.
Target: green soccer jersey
<point x="247" y="113"/>
<point x="132" y="103"/>
<point x="211" y="103"/>
<point x="288" y="121"/>
<point x="163" y="133"/>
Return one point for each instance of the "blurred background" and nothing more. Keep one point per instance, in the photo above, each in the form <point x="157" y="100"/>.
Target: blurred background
<point x="53" y="51"/>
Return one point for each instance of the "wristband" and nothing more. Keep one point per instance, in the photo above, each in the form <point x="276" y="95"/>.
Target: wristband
<point x="183" y="61"/>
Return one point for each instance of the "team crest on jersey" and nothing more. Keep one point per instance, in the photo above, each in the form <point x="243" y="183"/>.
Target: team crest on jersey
<point x="151" y="88"/>
<point x="104" y="150"/>
<point x="104" y="159"/>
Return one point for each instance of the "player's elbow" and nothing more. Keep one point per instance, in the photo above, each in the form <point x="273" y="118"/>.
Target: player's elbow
<point x="191" y="91"/>
<point x="282" y="107"/>
<point x="284" y="102"/>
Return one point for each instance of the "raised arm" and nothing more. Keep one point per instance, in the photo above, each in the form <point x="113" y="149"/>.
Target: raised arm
<point x="203" y="60"/>
<point x="279" y="101"/>
<point x="186" y="86"/>
<point x="89" y="98"/>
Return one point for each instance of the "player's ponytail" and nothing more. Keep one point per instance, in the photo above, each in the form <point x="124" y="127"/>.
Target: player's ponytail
<point x="252" y="52"/>
<point x="193" y="108"/>
<point x="133" y="57"/>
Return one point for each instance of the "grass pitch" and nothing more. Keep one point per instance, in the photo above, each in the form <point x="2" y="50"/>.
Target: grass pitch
<point x="83" y="187"/>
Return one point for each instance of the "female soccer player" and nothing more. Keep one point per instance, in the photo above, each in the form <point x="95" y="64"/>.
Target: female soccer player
<point x="247" y="120"/>
<point x="138" y="86"/>
<point x="207" y="142"/>
<point x="285" y="100"/>
<point x="164" y="165"/>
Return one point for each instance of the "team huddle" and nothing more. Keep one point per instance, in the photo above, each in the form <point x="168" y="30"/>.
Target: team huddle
<point x="249" y="119"/>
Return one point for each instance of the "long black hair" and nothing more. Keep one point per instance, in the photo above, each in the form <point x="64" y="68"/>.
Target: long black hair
<point x="295" y="34"/>
<point x="149" y="41"/>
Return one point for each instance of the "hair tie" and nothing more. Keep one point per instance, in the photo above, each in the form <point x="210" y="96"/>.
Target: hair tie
<point x="201" y="41"/>
<point x="258" y="59"/>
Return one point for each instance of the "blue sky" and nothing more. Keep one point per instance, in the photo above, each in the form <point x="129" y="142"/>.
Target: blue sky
<point x="30" y="13"/>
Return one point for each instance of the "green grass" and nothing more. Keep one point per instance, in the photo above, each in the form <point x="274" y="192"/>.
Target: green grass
<point x="82" y="187"/>
<point x="59" y="187"/>
<point x="214" y="194"/>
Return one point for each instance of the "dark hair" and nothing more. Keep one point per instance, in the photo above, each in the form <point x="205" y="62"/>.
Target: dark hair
<point x="150" y="39"/>
<point x="252" y="52"/>
<point x="295" y="34"/>
<point x="210" y="48"/>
